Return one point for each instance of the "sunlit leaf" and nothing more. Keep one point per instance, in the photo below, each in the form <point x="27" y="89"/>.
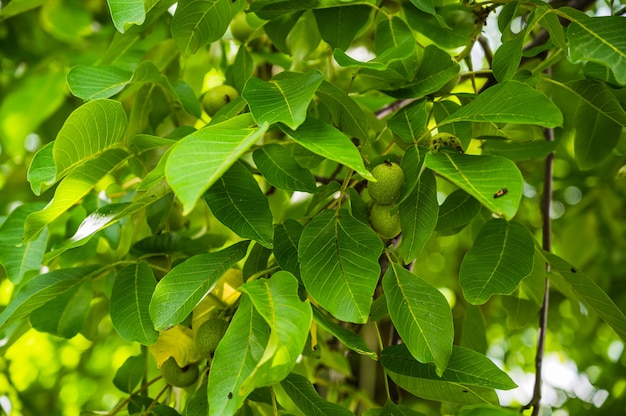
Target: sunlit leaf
<point x="278" y="166"/>
<point x="289" y="318"/>
<point x="185" y="285"/>
<point x="494" y="181"/>
<point x="126" y="13"/>
<point x="93" y="82"/>
<point x="346" y="113"/>
<point x="177" y="342"/>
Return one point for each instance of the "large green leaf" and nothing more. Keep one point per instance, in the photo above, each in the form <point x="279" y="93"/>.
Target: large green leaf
<point x="421" y="315"/>
<point x="283" y="99"/>
<point x="65" y="314"/>
<point x="392" y="409"/>
<point x="409" y="122"/>
<point x="501" y="257"/>
<point x="308" y="400"/>
<point x="236" y="358"/>
<point x="278" y="166"/>
<point x="237" y="202"/>
<point x="418" y="215"/>
<point x="457" y="210"/>
<point x="339" y="264"/>
<point x="41" y="289"/>
<point x="289" y="318"/>
<point x="598" y="39"/>
<point x="18" y="256"/>
<point x="74" y="187"/>
<point x="185" y="285"/>
<point x="197" y="161"/>
<point x="346" y="113"/>
<point x="130" y="302"/>
<point x="325" y="140"/>
<point x="575" y="283"/>
<point x="347" y="337"/>
<point x="93" y="82"/>
<point x="509" y="102"/>
<point x="128" y="376"/>
<point x="596" y="115"/>
<point x="90" y="130"/>
<point x="494" y="181"/>
<point x="198" y="22"/>
<point x="339" y="25"/>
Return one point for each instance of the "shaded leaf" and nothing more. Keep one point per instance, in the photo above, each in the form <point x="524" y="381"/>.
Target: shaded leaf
<point x="409" y="122"/>
<point x="421" y="315"/>
<point x="286" y="238"/>
<point x="237" y="202"/>
<point x="348" y="338"/>
<point x="130" y="302"/>
<point x="457" y="210"/>
<point x="501" y="257"/>
<point x="128" y="376"/>
<point x="185" y="285"/>
<point x="346" y="113"/>
<point x="308" y="400"/>
<point x="339" y="264"/>
<point x="339" y="25"/>
<point x="278" y="166"/>
<point x="93" y="82"/>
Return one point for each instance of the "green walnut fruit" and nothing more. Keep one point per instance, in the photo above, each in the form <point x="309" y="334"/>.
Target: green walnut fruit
<point x="209" y="335"/>
<point x="447" y="140"/>
<point x="179" y="376"/>
<point x="390" y="178"/>
<point x="240" y="28"/>
<point x="218" y="97"/>
<point x="384" y="222"/>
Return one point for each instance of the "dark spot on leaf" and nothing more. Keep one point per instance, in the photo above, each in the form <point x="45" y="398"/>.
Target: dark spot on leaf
<point x="573" y="270"/>
<point x="500" y="193"/>
<point x="230" y="395"/>
<point x="465" y="391"/>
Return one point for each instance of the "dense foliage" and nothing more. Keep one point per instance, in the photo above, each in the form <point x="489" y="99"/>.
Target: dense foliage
<point x="141" y="198"/>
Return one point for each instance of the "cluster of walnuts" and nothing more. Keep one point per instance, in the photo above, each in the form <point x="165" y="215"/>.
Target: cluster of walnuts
<point x="385" y="192"/>
<point x="208" y="336"/>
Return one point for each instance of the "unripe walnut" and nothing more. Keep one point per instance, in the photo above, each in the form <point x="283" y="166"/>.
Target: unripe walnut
<point x="209" y="334"/>
<point x="384" y="222"/>
<point x="179" y="376"/>
<point x="390" y="178"/>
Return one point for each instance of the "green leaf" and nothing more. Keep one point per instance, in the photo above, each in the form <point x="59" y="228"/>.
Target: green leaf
<point x="241" y="70"/>
<point x="457" y="17"/>
<point x="94" y="82"/>
<point x="18" y="256"/>
<point x="457" y="210"/>
<point x="198" y="22"/>
<point x="392" y="409"/>
<point x="483" y="177"/>
<point x="40" y="290"/>
<point x="237" y="202"/>
<point x="325" y="140"/>
<point x="126" y="13"/>
<point x="236" y="358"/>
<point x="510" y="102"/>
<point x="516" y="150"/>
<point x="598" y="39"/>
<point x="90" y="130"/>
<point x="199" y="160"/>
<point x="436" y="70"/>
<point x="418" y="215"/>
<point x="595" y="114"/>
<point x="507" y="58"/>
<point x="65" y="314"/>
<point x="409" y="122"/>
<point x="479" y="410"/>
<point x="130" y="302"/>
<point x="185" y="285"/>
<point x="41" y="170"/>
<point x="339" y="264"/>
<point x="73" y="188"/>
<point x="348" y="338"/>
<point x="570" y="280"/>
<point x="391" y="33"/>
<point x="473" y="331"/>
<point x="339" y="25"/>
<point x="346" y="113"/>
<point x="18" y="6"/>
<point x="286" y="238"/>
<point x="308" y="400"/>
<point x="283" y="99"/>
<point x="465" y="368"/>
<point x="128" y="376"/>
<point x="276" y="300"/>
<point x="421" y="315"/>
<point x="501" y="257"/>
<point x="278" y="166"/>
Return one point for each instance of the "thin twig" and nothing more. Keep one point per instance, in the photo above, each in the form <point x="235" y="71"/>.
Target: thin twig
<point x="546" y="204"/>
